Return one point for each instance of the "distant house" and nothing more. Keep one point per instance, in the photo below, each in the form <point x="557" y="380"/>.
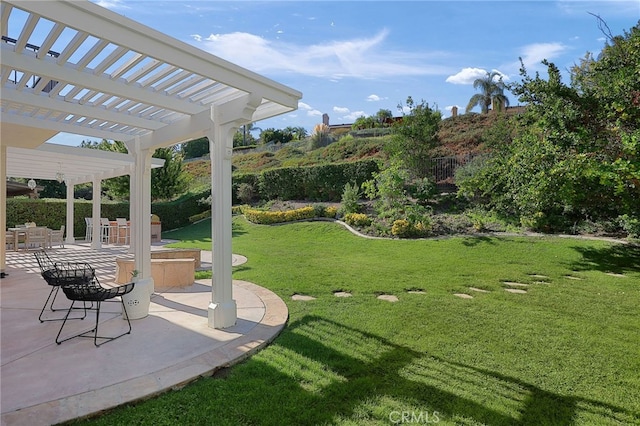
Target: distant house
<point x="346" y="127"/>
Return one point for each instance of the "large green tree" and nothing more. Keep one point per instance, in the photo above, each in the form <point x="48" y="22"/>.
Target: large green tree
<point x="491" y="93"/>
<point x="195" y="149"/>
<point x="166" y="182"/>
<point x="415" y="136"/>
<point x="576" y="155"/>
<point x="272" y="135"/>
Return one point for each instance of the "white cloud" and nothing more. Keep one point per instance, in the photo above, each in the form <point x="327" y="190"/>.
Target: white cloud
<point x="466" y="76"/>
<point x="341" y="110"/>
<point x="373" y="98"/>
<point x="310" y="111"/>
<point x="362" y="58"/>
<point x="112" y="4"/>
<point x="469" y="75"/>
<point x="353" y="116"/>
<point x="533" y="54"/>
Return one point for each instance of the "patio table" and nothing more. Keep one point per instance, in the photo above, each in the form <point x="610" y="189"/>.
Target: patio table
<point x="22" y="232"/>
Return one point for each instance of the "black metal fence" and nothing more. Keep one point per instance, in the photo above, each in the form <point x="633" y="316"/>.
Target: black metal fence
<point x="443" y="170"/>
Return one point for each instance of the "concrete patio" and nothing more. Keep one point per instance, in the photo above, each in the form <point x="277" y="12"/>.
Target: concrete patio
<point x="43" y="383"/>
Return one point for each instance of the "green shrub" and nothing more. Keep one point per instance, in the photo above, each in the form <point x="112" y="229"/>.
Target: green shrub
<point x="175" y="214"/>
<point x="350" y="199"/>
<point x="245" y="192"/>
<point x="238" y="180"/>
<point x="321" y="183"/>
<point x="631" y="225"/>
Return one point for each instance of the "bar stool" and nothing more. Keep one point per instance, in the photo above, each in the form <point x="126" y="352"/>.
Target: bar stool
<point x="122" y="225"/>
<point x="105" y="230"/>
<point x="89" y="229"/>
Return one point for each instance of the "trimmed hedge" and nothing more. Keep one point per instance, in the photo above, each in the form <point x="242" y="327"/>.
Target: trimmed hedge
<point x="319" y="183"/>
<point x="52" y="212"/>
<point x="175" y="214"/>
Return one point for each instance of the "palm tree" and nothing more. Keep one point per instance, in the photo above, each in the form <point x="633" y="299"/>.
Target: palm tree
<point x="248" y="128"/>
<point x="492" y="89"/>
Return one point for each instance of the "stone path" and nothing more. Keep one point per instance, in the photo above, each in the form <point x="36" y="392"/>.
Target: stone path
<point x="513" y="287"/>
<point x="388" y="298"/>
<point x="463" y="295"/>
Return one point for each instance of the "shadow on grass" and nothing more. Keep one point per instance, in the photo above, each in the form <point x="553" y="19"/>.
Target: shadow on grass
<point x="476" y="241"/>
<point x="200" y="232"/>
<point x="319" y="371"/>
<point x="619" y="258"/>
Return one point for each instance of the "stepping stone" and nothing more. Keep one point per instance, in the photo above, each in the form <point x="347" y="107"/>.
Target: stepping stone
<point x="515" y="290"/>
<point x="571" y="277"/>
<point x="479" y="290"/>
<point x="388" y="297"/>
<point x="538" y="276"/>
<point x="512" y="284"/>
<point x="342" y="294"/>
<point x="302" y="297"/>
<point x="463" y="295"/>
<point x="416" y="292"/>
<point x="541" y="282"/>
<point x="613" y="274"/>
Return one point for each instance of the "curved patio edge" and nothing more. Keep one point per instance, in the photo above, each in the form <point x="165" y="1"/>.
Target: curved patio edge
<point x="87" y="404"/>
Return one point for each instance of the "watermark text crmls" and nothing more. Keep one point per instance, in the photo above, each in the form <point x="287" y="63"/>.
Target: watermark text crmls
<point x="415" y="417"/>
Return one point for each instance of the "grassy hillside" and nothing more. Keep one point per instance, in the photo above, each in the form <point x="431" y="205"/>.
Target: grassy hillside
<point x="464" y="134"/>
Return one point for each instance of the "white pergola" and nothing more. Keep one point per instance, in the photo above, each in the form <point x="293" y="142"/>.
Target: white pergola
<point x="75" y="67"/>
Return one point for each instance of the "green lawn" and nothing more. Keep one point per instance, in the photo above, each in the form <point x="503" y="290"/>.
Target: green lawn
<point x="566" y="352"/>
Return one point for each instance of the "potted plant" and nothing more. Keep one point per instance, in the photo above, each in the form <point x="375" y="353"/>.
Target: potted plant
<point x="138" y="300"/>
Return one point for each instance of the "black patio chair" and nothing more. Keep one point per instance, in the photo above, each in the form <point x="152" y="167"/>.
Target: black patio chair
<point x="57" y="274"/>
<point x="93" y="291"/>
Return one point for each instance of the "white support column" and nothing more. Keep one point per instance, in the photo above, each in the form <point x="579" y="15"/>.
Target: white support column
<point x="3" y="209"/>
<point x="70" y="239"/>
<point x="226" y="119"/>
<point x="96" y="239"/>
<point x="140" y="232"/>
<point x="132" y="209"/>
<point x="222" y="310"/>
<point x="141" y="225"/>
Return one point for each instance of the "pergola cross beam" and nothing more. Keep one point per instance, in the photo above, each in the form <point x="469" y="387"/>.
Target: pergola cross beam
<point x="100" y="74"/>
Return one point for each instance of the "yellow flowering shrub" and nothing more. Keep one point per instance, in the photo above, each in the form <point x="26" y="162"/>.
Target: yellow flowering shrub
<point x="330" y="212"/>
<point x="401" y="228"/>
<point x="268" y="217"/>
<point x="357" y="219"/>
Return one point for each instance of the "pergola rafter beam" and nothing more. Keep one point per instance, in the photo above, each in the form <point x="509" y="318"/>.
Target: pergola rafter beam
<point x="89" y="18"/>
<point x="75" y="108"/>
<point x="117" y="79"/>
<point x="88" y="80"/>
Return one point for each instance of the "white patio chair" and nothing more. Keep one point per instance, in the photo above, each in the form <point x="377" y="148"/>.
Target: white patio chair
<point x="10" y="240"/>
<point x="56" y="236"/>
<point x="36" y="236"/>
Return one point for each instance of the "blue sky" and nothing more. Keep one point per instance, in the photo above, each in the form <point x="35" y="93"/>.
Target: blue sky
<point x="353" y="58"/>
